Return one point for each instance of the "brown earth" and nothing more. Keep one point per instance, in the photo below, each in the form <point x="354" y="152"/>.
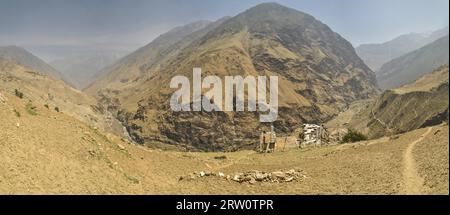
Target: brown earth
<point x="40" y="89"/>
<point x="52" y="153"/>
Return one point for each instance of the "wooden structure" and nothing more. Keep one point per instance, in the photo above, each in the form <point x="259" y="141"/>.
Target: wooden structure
<point x="267" y="141"/>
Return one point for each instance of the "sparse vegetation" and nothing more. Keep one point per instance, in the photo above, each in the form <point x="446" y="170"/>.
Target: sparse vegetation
<point x="17" y="113"/>
<point x="18" y="93"/>
<point x="31" y="109"/>
<point x="353" y="136"/>
<point x="221" y="157"/>
<point x="46" y="106"/>
<point x="131" y="178"/>
<point x="57" y="109"/>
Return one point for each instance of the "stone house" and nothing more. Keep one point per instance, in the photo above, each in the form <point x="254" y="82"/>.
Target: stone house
<point x="313" y="135"/>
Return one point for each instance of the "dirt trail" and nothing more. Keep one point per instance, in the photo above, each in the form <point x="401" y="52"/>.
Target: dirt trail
<point x="412" y="182"/>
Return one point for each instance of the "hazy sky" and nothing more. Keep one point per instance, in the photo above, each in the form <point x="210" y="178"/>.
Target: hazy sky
<point x="56" y="28"/>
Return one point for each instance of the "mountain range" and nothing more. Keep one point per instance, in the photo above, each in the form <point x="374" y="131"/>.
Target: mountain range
<point x="117" y="134"/>
<point x="413" y="65"/>
<point x="375" y="55"/>
<point x="319" y="75"/>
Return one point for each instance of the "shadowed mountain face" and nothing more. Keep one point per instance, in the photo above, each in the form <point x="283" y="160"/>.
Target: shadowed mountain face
<point x="27" y="59"/>
<point x="375" y="55"/>
<point x="319" y="74"/>
<point x="413" y="65"/>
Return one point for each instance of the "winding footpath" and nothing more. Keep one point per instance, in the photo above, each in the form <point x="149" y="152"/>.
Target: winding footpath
<point x="413" y="183"/>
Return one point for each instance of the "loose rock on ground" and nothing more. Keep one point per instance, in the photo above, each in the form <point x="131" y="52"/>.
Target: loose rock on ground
<point x="251" y="177"/>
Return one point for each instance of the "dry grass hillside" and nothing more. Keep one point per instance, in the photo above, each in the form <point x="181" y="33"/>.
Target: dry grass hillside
<point x="40" y="90"/>
<point x="415" y="105"/>
<point x="52" y="153"/>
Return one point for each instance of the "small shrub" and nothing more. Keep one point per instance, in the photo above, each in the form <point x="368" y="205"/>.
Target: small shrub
<point x="57" y="109"/>
<point x="353" y="136"/>
<point x="18" y="93"/>
<point x="46" y="106"/>
<point x="31" y="109"/>
<point x="222" y="157"/>
<point x="17" y="113"/>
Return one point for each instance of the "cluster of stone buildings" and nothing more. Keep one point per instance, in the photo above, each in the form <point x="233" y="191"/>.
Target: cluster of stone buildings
<point x="309" y="135"/>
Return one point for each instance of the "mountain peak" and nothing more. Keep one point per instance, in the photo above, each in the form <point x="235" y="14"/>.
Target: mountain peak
<point x="272" y="10"/>
<point x="268" y="6"/>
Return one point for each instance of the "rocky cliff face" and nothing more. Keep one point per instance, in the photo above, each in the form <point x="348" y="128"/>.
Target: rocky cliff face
<point x="319" y="74"/>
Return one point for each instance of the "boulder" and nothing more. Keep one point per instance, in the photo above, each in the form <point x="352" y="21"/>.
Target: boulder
<point x="238" y="177"/>
<point x="121" y="147"/>
<point x="261" y="176"/>
<point x="279" y="174"/>
<point x="289" y="179"/>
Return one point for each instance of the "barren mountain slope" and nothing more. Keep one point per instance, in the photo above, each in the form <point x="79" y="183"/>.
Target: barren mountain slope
<point x="39" y="90"/>
<point x="25" y="58"/>
<point x="53" y="153"/>
<point x="130" y="68"/>
<point x="319" y="74"/>
<point x="419" y="104"/>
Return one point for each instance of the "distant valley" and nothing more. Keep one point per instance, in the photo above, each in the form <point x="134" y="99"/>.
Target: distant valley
<point x="81" y="70"/>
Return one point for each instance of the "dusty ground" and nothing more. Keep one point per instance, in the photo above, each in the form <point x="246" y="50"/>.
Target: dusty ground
<point x="432" y="161"/>
<point x="51" y="153"/>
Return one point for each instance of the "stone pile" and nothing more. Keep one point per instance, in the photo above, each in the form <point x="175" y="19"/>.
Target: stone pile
<point x="252" y="176"/>
<point x="2" y="99"/>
